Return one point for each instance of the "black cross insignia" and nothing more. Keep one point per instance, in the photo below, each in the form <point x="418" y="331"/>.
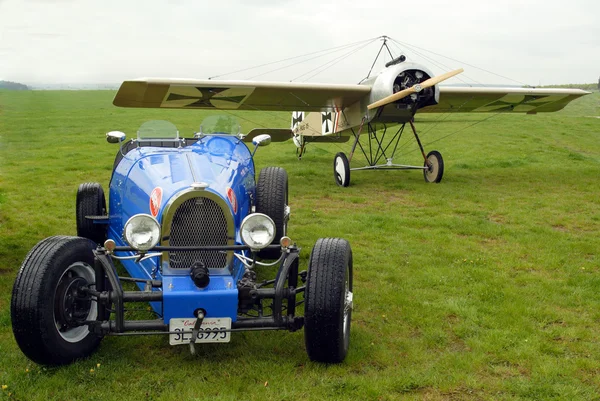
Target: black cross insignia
<point x="525" y="101"/>
<point x="206" y="94"/>
<point x="297" y="120"/>
<point x="324" y="118"/>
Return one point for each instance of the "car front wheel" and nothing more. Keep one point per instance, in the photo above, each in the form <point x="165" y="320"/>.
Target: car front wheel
<point x="49" y="308"/>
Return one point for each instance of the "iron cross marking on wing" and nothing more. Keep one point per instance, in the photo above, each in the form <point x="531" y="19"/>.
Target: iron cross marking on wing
<point x="530" y="100"/>
<point x="207" y="94"/>
<point x="203" y="100"/>
<point x="325" y="117"/>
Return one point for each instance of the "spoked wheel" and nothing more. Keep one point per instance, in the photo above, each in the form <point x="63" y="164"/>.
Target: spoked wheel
<point x="49" y="308"/>
<point x="90" y="202"/>
<point x="328" y="301"/>
<point x="435" y="167"/>
<point x="272" y="200"/>
<point x="341" y="170"/>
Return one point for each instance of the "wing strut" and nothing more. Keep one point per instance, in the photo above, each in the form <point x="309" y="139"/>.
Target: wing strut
<point x="356" y="138"/>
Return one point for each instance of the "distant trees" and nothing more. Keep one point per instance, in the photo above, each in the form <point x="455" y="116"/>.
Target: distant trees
<point x="587" y="87"/>
<point x="13" y="86"/>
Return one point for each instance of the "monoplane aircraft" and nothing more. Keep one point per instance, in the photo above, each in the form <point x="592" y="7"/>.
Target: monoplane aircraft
<point x="336" y="113"/>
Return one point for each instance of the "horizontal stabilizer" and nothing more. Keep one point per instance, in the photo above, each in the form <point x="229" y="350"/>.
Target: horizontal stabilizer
<point x="277" y="134"/>
<point x="327" y="139"/>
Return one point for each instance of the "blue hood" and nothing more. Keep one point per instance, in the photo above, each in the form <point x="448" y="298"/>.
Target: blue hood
<point x="222" y="162"/>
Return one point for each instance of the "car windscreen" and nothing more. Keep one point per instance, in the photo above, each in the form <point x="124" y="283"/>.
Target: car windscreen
<point x="157" y="129"/>
<point x="220" y="125"/>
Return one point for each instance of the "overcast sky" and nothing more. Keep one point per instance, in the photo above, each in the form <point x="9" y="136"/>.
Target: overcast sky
<point x="83" y="41"/>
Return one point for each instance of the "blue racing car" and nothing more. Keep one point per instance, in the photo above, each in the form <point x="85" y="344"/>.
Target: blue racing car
<point x="190" y="224"/>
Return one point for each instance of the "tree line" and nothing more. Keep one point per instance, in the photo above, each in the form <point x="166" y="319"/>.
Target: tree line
<point x="13" y="86"/>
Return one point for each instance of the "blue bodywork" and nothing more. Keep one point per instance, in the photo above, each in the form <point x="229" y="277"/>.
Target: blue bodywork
<point x="223" y="162"/>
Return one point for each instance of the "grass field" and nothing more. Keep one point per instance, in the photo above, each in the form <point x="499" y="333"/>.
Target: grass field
<point x="483" y="287"/>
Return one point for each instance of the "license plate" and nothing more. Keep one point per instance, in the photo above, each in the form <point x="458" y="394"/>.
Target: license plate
<point x="208" y="332"/>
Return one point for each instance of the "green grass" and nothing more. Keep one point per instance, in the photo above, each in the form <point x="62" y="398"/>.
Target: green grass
<point x="483" y="287"/>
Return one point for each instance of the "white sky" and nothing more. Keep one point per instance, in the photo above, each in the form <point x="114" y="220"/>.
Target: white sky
<point x="84" y="41"/>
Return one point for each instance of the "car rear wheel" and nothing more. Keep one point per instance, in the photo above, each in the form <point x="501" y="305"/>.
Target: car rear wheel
<point x="90" y="202"/>
<point x="272" y="200"/>
<point x="328" y="301"/>
<point x="48" y="307"/>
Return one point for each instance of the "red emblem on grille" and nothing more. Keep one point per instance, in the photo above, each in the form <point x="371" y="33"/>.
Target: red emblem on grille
<point x="232" y="199"/>
<point x="155" y="201"/>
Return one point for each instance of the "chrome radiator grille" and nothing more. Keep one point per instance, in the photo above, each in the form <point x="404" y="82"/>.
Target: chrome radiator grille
<point x="198" y="221"/>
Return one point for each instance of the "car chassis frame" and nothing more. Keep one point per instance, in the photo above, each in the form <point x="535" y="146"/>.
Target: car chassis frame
<point x="113" y="294"/>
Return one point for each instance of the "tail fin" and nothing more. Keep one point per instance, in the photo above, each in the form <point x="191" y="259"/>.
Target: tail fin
<point x="314" y="123"/>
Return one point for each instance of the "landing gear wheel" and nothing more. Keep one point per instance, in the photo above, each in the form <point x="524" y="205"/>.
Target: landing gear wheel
<point x="328" y="301"/>
<point x="341" y="170"/>
<point x="435" y="167"/>
<point x="90" y="202"/>
<point x="48" y="308"/>
<point x="300" y="143"/>
<point x="272" y="200"/>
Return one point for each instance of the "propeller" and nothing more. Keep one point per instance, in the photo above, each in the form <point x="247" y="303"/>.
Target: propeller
<point x="416" y="88"/>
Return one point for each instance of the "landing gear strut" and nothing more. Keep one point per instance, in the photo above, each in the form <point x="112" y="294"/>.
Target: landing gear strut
<point x="300" y="143"/>
<point x="380" y="156"/>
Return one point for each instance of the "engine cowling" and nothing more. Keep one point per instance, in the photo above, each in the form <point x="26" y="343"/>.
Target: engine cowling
<point x="394" y="79"/>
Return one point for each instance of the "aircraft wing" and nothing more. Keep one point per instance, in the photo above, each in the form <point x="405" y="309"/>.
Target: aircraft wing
<point x="520" y="100"/>
<point x="237" y="95"/>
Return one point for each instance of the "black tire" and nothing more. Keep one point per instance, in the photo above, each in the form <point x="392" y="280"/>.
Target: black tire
<point x="328" y="301"/>
<point x="43" y="307"/>
<point x="90" y="202"/>
<point x="272" y="200"/>
<point x="435" y="167"/>
<point x="341" y="169"/>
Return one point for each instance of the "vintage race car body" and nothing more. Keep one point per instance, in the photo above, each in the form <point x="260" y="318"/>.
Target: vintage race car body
<point x="216" y="170"/>
<point x="192" y="226"/>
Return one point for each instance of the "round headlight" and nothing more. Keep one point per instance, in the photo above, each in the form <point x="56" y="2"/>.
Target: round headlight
<point x="257" y="230"/>
<point x="142" y="232"/>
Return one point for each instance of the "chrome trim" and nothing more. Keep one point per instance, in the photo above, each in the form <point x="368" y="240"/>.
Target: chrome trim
<point x="169" y="212"/>
<point x="115" y="136"/>
<point x="261" y="140"/>
<point x="250" y="217"/>
<point x="199" y="186"/>
<point x="191" y="165"/>
<point x="129" y="222"/>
